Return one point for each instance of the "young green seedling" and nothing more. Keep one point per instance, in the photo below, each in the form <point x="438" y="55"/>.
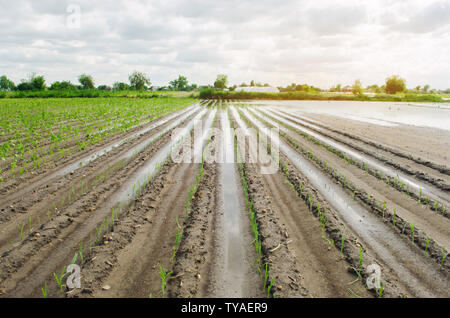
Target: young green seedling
<point x="20" y="228"/>
<point x="426" y="244"/>
<point x="44" y="290"/>
<point x="270" y="287"/>
<point x="380" y="290"/>
<point x="164" y="274"/>
<point x="59" y="279"/>
<point x="342" y="245"/>
<point x="444" y="255"/>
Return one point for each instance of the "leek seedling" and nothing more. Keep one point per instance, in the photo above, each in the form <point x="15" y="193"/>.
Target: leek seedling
<point x="74" y="259"/>
<point x="164" y="276"/>
<point x="412" y="231"/>
<point x="59" y="279"/>
<point x="426" y="244"/>
<point x="20" y="228"/>
<point x="269" y="288"/>
<point x="342" y="245"/>
<point x="384" y="208"/>
<point x="393" y="217"/>
<point x="420" y="195"/>
<point x="266" y="275"/>
<point x="360" y="260"/>
<point x="44" y="290"/>
<point x="444" y="255"/>
<point x="435" y="206"/>
<point x="380" y="289"/>
<point x="81" y="252"/>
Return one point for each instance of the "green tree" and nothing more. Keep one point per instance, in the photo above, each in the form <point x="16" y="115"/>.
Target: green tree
<point x="138" y="80"/>
<point x="252" y="83"/>
<point x="426" y="88"/>
<point x="221" y="81"/>
<point x="6" y="84"/>
<point x="375" y="88"/>
<point x="118" y="86"/>
<point x="395" y="84"/>
<point x="37" y="82"/>
<point x="86" y="81"/>
<point x="24" y="86"/>
<point x="62" y="86"/>
<point x="418" y="88"/>
<point x="357" y="88"/>
<point x="179" y="84"/>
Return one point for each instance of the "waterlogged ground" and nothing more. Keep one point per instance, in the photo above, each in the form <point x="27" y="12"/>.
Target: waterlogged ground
<point x="357" y="206"/>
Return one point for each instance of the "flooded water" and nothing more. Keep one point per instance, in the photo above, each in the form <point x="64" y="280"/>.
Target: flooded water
<point x="413" y="185"/>
<point x="232" y="266"/>
<point x="415" y="271"/>
<point x="434" y="115"/>
<point x="148" y="170"/>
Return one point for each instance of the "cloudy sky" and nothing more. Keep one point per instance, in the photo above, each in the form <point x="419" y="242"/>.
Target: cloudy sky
<point x="276" y="41"/>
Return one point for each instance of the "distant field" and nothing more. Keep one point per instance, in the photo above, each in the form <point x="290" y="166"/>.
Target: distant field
<point x="299" y="95"/>
<point x="96" y="93"/>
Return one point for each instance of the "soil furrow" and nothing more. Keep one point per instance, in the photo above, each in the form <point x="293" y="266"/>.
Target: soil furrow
<point x="378" y="147"/>
<point x="413" y="187"/>
<point x="422" y="278"/>
<point x="421" y="171"/>
<point x="64" y="249"/>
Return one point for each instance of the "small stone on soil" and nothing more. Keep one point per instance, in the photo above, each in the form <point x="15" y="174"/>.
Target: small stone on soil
<point x="106" y="287"/>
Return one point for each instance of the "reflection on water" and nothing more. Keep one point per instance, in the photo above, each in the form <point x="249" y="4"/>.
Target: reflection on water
<point x="435" y="115"/>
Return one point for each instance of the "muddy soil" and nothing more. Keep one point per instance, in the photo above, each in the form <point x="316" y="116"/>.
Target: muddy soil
<point x="303" y="263"/>
<point x="434" y="174"/>
<point x="420" y="263"/>
<point x="216" y="257"/>
<point x="435" y="225"/>
<point x="421" y="142"/>
<point x="58" y="194"/>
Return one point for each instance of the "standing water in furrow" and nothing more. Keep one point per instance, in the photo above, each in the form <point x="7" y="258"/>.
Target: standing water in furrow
<point x="419" y="274"/>
<point x="234" y="256"/>
<point x="415" y="185"/>
<point x="128" y="188"/>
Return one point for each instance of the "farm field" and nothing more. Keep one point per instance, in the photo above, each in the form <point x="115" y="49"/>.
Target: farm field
<point x="146" y="209"/>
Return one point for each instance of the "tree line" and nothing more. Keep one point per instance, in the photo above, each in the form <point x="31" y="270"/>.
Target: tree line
<point x="393" y="85"/>
<point x="137" y="81"/>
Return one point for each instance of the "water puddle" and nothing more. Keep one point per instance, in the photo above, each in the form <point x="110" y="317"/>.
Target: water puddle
<point x="232" y="268"/>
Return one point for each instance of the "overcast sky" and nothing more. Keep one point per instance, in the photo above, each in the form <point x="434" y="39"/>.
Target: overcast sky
<point x="276" y="41"/>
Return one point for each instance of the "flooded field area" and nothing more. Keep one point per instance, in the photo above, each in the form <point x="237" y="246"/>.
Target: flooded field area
<point x="239" y="199"/>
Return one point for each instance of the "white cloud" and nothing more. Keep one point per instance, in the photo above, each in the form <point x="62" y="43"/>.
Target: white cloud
<point x="321" y="43"/>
